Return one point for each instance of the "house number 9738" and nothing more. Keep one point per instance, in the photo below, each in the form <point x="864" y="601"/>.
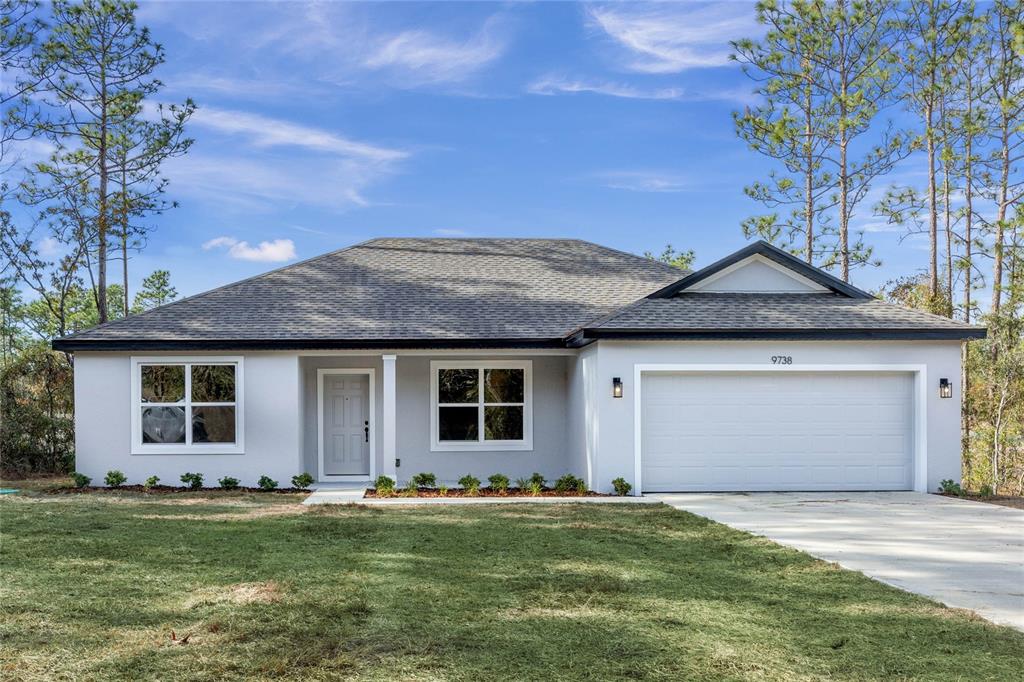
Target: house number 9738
<point x="782" y="359"/>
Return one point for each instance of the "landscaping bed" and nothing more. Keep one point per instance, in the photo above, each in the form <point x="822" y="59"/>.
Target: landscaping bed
<point x="482" y="492"/>
<point x="1012" y="501"/>
<point x="165" y="490"/>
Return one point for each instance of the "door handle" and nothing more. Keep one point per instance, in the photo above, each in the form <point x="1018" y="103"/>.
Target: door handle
<point x="366" y="431"/>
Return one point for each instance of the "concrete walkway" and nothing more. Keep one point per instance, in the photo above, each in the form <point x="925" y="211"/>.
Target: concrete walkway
<point x="964" y="554"/>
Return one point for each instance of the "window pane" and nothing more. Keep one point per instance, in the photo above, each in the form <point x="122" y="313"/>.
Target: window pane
<point x="503" y="385"/>
<point x="458" y="386"/>
<point x="163" y="425"/>
<point x="213" y="383"/>
<point x="457" y="423"/>
<point x="163" y="383"/>
<point x="503" y="423"/>
<point x="213" y="424"/>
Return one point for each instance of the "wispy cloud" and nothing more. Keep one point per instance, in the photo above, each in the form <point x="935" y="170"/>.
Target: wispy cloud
<point x="559" y="85"/>
<point x="424" y="57"/>
<point x="674" y="37"/>
<point x="241" y="87"/>
<point x="644" y="181"/>
<point x="277" y="251"/>
<point x="446" y="232"/>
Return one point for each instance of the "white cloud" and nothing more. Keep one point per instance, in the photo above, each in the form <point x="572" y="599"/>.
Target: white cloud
<point x="49" y="247"/>
<point x="276" y="251"/>
<point x="557" y="85"/>
<point x="446" y="232"/>
<point x="424" y="57"/>
<point x="644" y="181"/>
<point x="266" y="132"/>
<point x="674" y="37"/>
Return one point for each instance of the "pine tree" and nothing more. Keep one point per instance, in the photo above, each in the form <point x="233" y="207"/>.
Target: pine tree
<point x="156" y="291"/>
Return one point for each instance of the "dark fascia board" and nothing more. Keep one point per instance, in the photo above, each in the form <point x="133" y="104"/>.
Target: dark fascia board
<point x="586" y="336"/>
<point x="73" y="344"/>
<point x="763" y="248"/>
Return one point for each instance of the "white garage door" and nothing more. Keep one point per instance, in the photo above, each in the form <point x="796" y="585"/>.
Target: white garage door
<point x="777" y="431"/>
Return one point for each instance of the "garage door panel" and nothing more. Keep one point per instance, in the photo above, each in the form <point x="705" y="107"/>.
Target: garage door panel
<point x="777" y="431"/>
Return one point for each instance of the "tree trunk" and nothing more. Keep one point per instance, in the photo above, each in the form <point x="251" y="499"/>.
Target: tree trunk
<point x="809" y="177"/>
<point x="997" y="248"/>
<point x="102" y="219"/>
<point x="933" y="218"/>
<point x="124" y="237"/>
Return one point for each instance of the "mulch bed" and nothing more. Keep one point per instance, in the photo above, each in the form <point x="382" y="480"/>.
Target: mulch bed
<point x="1014" y="501"/>
<point x="482" y="492"/>
<point x="165" y="490"/>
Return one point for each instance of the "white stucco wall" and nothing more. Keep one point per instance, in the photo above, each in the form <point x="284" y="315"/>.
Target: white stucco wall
<point x="103" y="410"/>
<point x="615" y="417"/>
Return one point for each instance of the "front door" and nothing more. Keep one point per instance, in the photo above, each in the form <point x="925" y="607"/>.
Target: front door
<point x="346" y="425"/>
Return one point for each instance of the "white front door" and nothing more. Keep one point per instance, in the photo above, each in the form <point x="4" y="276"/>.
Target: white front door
<point x="777" y="431"/>
<point x="346" y="425"/>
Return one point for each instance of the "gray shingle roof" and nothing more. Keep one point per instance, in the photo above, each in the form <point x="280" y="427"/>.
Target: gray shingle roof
<point x="719" y="312"/>
<point x="406" y="289"/>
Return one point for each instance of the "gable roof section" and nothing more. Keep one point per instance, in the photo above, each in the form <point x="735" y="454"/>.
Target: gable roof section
<point x="772" y="253"/>
<point x="395" y="293"/>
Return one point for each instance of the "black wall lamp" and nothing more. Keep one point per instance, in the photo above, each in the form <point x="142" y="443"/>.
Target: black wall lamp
<point x="945" y="388"/>
<point x="617" y="387"/>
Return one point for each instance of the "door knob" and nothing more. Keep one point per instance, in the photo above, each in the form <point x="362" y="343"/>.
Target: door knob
<point x="366" y="431"/>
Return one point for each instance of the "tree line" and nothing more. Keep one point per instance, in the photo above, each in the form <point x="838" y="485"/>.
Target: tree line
<point x="853" y="91"/>
<point x="81" y="152"/>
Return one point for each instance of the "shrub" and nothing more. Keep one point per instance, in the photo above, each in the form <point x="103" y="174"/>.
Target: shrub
<point x="535" y="488"/>
<point x="986" y="491"/>
<point x="538" y="479"/>
<point x="470" y="484"/>
<point x="622" y="487"/>
<point x="266" y="483"/>
<point x="303" y="480"/>
<point x="81" y="480"/>
<point x="151" y="482"/>
<point x="228" y="483"/>
<point x="411" y="489"/>
<point x="568" y="483"/>
<point x="424" y="480"/>
<point x="194" y="481"/>
<point x="443" y="491"/>
<point x="950" y="487"/>
<point x="384" y="484"/>
<point x="581" y="486"/>
<point x="498" y="482"/>
<point x="523" y="484"/>
<point x="114" y="478"/>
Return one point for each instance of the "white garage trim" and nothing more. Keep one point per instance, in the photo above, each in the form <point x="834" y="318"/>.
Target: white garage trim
<point x="920" y="373"/>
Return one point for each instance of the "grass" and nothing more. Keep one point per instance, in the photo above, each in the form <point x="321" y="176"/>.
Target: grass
<point x="92" y="587"/>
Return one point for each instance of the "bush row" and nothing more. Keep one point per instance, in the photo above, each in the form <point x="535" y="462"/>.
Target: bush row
<point x="533" y="485"/>
<point x="115" y="479"/>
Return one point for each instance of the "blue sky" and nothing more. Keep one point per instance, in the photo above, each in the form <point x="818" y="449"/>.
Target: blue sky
<point x="321" y="125"/>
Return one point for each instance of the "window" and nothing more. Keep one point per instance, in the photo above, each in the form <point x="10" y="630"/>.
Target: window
<point x="481" y="405"/>
<point x="186" y="405"/>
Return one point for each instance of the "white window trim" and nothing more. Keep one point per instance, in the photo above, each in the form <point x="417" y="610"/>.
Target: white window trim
<point x="140" y="448"/>
<point x="437" y="445"/>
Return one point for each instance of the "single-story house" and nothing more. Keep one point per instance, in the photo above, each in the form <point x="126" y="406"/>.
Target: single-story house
<point x="456" y="356"/>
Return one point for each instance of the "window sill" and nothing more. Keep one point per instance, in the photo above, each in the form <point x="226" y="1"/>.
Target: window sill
<point x="519" y="446"/>
<point x="180" y="450"/>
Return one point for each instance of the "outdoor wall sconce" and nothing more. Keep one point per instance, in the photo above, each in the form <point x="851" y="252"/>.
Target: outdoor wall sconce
<point x="616" y="387"/>
<point x="945" y="388"/>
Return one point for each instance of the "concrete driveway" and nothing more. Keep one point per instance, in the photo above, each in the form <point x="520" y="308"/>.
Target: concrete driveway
<point x="964" y="554"/>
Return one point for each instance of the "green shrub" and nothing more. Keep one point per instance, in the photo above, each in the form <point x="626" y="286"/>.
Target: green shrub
<point x="303" y="480"/>
<point x="622" y="487"/>
<point x="523" y="484"/>
<point x="986" y="491"/>
<point x="194" y="481"/>
<point x="538" y="479"/>
<point x="568" y="483"/>
<point x="535" y="488"/>
<point x="950" y="487"/>
<point x="498" y="482"/>
<point x="470" y="484"/>
<point x="115" y="478"/>
<point x="151" y="482"/>
<point x="411" y="489"/>
<point x="266" y="483"/>
<point x="581" y="486"/>
<point x="443" y="491"/>
<point x="228" y="483"/>
<point x="424" y="480"/>
<point x="81" y="480"/>
<point x="384" y="485"/>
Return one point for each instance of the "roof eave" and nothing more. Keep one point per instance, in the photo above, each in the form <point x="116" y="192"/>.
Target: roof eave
<point x="585" y="336"/>
<point x="73" y="345"/>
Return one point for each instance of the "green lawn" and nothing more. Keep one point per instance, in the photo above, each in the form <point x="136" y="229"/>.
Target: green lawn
<point x="92" y="586"/>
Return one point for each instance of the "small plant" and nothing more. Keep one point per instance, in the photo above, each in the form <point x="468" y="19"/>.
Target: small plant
<point x="538" y="479"/>
<point x="443" y="491"/>
<point x="950" y="487"/>
<point x="151" y="482"/>
<point x="228" y="483"/>
<point x="534" y="488"/>
<point x="622" y="487"/>
<point x="523" y="484"/>
<point x="411" y="489"/>
<point x="986" y="491"/>
<point x="81" y="480"/>
<point x="194" y="481"/>
<point x="568" y="483"/>
<point x="384" y="485"/>
<point x="498" y="482"/>
<point x="424" y="480"/>
<point x="303" y="480"/>
<point x="470" y="485"/>
<point x="266" y="483"/>
<point x="581" y="486"/>
<point x="114" y="478"/>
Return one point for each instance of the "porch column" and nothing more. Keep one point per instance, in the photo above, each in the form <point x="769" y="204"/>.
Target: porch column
<point x="389" y="450"/>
